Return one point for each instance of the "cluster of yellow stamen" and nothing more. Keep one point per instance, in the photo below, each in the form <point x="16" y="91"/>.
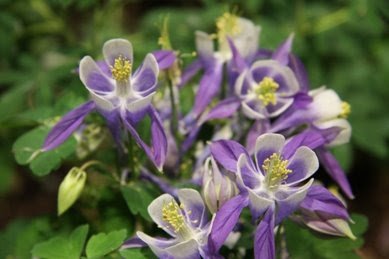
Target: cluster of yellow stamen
<point x="121" y="70"/>
<point x="227" y="25"/>
<point x="172" y="215"/>
<point x="346" y="110"/>
<point x="276" y="170"/>
<point x="266" y="91"/>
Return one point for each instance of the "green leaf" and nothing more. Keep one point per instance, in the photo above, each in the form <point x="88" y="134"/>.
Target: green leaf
<point x="102" y="244"/>
<point x="138" y="198"/>
<point x="132" y="254"/>
<point x="26" y="150"/>
<point x="63" y="247"/>
<point x="303" y="243"/>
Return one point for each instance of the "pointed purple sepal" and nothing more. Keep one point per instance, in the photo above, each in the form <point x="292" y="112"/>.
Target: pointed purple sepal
<point x="334" y="170"/>
<point x="227" y="152"/>
<point x="165" y="58"/>
<point x="225" y="220"/>
<point x="282" y="52"/>
<point x="67" y="125"/>
<point x="264" y="245"/>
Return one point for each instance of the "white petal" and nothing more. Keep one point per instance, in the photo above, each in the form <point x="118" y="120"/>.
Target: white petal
<point x="140" y="104"/>
<point x="286" y="73"/>
<point x="114" y="48"/>
<point x="304" y="164"/>
<point x="286" y="104"/>
<point x="247" y="40"/>
<point x="326" y="105"/>
<point x="246" y="176"/>
<point x="258" y="204"/>
<point x="252" y="114"/>
<point x="157" y="245"/>
<point x="155" y="211"/>
<point x="193" y="205"/>
<point x="204" y="44"/>
<point x="266" y="145"/>
<point x="89" y="70"/>
<point x="239" y="83"/>
<point x="137" y="82"/>
<point x="184" y="250"/>
<point x="102" y="102"/>
<point x="344" y="135"/>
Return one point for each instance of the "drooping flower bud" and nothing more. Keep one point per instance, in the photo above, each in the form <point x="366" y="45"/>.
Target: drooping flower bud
<point x="70" y="189"/>
<point x="218" y="188"/>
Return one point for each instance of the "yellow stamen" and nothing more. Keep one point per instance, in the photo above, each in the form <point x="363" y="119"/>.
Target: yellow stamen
<point x="346" y="110"/>
<point x="275" y="170"/>
<point x="121" y="70"/>
<point x="266" y="90"/>
<point x="227" y="25"/>
<point x="172" y="215"/>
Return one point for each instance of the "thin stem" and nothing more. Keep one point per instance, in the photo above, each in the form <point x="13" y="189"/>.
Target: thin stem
<point x="90" y="163"/>
<point x="174" y="120"/>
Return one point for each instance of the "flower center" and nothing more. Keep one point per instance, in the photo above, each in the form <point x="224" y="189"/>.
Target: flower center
<point x="227" y="25"/>
<point x="266" y="91"/>
<point x="172" y="215"/>
<point x="346" y="110"/>
<point x="275" y="170"/>
<point x="121" y="70"/>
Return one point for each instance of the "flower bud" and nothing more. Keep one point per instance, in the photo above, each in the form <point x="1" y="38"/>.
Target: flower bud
<point x="218" y="188"/>
<point x="70" y="189"/>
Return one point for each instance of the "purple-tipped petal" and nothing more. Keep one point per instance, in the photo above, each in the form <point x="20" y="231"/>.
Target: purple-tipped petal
<point x="209" y="87"/>
<point x="67" y="125"/>
<point x="302" y="100"/>
<point x="304" y="164"/>
<point x="334" y="170"/>
<point x="94" y="79"/>
<point x="134" y="242"/>
<point x="115" y="48"/>
<point x="265" y="146"/>
<point x="145" y="78"/>
<point x="282" y="52"/>
<point x="193" y="204"/>
<point x="264" y="246"/>
<point x="157" y="245"/>
<point x="165" y="58"/>
<point x="227" y="152"/>
<point x="225" y="220"/>
<point x="309" y="138"/>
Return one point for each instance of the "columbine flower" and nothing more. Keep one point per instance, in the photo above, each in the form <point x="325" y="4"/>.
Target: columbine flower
<point x="266" y="89"/>
<point x="186" y="222"/>
<point x="218" y="188"/>
<point x="326" y="115"/>
<point x="121" y="96"/>
<point x="270" y="186"/>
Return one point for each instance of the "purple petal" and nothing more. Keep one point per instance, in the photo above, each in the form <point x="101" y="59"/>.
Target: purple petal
<point x="304" y="164"/>
<point x="165" y="58"/>
<point x="145" y="77"/>
<point x="225" y="220"/>
<point x="309" y="138"/>
<point x="194" y="207"/>
<point x="223" y="109"/>
<point x="302" y="100"/>
<point x="282" y="52"/>
<point x="334" y="170"/>
<point x="266" y="145"/>
<point x="237" y="62"/>
<point x="67" y="125"/>
<point x="299" y="70"/>
<point x="208" y="88"/>
<point x="159" y="139"/>
<point x="190" y="71"/>
<point x="93" y="78"/>
<point x="114" y="125"/>
<point x="134" y="242"/>
<point x="264" y="246"/>
<point x="227" y="152"/>
<point x="323" y="203"/>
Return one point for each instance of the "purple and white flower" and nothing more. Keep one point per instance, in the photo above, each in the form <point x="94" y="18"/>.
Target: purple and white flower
<point x="271" y="185"/>
<point x="186" y="222"/>
<point x="121" y="96"/>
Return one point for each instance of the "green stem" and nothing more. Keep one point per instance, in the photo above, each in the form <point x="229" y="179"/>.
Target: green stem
<point x="174" y="120"/>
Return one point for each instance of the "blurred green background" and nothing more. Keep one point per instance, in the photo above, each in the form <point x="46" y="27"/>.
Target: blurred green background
<point x="344" y="45"/>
